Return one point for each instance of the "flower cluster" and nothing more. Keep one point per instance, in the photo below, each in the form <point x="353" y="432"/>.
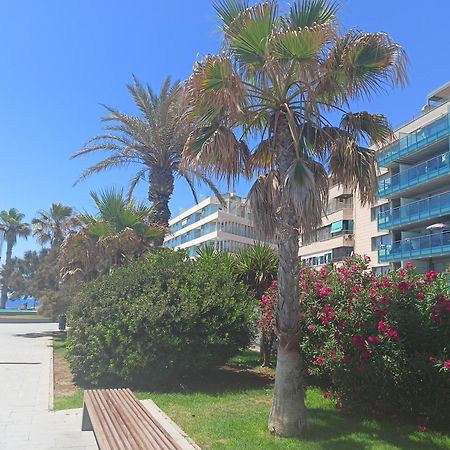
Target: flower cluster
<point x="375" y="339"/>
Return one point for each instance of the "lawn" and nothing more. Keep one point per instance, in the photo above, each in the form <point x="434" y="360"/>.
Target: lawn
<point x="229" y="410"/>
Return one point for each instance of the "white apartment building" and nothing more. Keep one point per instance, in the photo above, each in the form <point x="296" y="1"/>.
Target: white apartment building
<point x="227" y="227"/>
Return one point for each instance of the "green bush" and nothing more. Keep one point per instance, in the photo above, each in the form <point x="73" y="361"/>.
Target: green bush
<point x="153" y="322"/>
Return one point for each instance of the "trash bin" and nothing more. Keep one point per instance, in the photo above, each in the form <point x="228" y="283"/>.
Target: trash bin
<point x="62" y="322"/>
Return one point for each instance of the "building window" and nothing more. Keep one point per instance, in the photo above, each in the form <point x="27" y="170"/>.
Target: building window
<point x="383" y="270"/>
<point x="381" y="240"/>
<point x="375" y="211"/>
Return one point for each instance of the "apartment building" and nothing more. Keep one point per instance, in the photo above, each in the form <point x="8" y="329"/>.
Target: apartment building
<point x="416" y="186"/>
<point x="411" y="219"/>
<point x="334" y="240"/>
<point x="227" y="227"/>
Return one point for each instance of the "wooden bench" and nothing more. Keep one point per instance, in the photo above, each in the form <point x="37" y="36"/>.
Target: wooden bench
<point x="120" y="422"/>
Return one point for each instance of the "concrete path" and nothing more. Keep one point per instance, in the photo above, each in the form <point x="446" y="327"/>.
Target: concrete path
<point x="25" y="394"/>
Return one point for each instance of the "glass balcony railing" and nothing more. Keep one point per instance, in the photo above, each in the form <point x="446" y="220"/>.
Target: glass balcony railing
<point x="422" y="173"/>
<point x="436" y="244"/>
<point x="427" y="208"/>
<point x="415" y="141"/>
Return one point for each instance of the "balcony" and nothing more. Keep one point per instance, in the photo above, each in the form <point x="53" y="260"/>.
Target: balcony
<point x="415" y="176"/>
<point x="422" y="210"/>
<point x="415" y="142"/>
<point x="437" y="244"/>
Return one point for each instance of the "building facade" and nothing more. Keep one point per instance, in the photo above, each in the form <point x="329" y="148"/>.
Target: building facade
<point x="411" y="219"/>
<point x="416" y="187"/>
<point x="334" y="240"/>
<point x="226" y="227"/>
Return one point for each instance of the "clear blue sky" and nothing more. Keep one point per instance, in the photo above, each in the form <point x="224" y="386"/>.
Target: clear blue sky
<point x="61" y="59"/>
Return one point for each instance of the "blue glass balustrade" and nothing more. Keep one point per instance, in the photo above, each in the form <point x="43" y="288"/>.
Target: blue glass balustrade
<point x="416" y="175"/>
<point x="435" y="244"/>
<point x="415" y="141"/>
<point x="418" y="211"/>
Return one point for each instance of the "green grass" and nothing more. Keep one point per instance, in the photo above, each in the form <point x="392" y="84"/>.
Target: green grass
<point x="59" y="343"/>
<point x="238" y="420"/>
<point x="231" y="411"/>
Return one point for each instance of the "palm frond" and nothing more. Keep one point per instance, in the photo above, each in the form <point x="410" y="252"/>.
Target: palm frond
<point x="308" y="13"/>
<point x="265" y="199"/>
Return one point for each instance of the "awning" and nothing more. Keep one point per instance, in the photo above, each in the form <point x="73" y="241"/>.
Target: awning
<point x="336" y="227"/>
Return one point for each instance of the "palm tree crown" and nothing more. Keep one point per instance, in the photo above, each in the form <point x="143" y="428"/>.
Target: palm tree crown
<point x="53" y="225"/>
<point x="13" y="227"/>
<point x="120" y="230"/>
<point x="286" y="78"/>
<point x="153" y="140"/>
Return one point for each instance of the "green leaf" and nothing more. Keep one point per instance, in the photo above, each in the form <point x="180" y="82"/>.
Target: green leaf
<point x="307" y="13"/>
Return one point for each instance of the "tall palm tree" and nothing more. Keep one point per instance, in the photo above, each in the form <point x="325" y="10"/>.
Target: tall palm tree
<point x="152" y="141"/>
<point x="53" y="225"/>
<point x="257" y="266"/>
<point x="13" y="227"/>
<point x="285" y="78"/>
<point x="120" y="230"/>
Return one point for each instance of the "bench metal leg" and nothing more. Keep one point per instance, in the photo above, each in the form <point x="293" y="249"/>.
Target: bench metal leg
<point x="86" y="424"/>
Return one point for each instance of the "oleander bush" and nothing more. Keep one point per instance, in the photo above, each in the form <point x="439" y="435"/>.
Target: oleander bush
<point x="153" y="322"/>
<point x="381" y="342"/>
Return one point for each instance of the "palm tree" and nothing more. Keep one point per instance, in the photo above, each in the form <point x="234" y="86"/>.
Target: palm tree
<point x="153" y="141"/>
<point x="120" y="230"/>
<point x="257" y="266"/>
<point x="285" y="78"/>
<point x="13" y="227"/>
<point x="52" y="226"/>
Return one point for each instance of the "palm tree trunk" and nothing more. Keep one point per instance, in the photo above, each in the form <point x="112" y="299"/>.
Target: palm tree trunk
<point x="5" y="275"/>
<point x="161" y="184"/>
<point x="288" y="416"/>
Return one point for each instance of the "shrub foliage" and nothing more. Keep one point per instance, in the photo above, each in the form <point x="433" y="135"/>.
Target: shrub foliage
<point x="381" y="342"/>
<point x="155" y="321"/>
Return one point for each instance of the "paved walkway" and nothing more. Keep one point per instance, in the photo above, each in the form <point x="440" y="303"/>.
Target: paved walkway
<point x="25" y="386"/>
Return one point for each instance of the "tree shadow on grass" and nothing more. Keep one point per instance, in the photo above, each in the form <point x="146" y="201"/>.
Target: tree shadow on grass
<point x="333" y="430"/>
<point x="220" y="380"/>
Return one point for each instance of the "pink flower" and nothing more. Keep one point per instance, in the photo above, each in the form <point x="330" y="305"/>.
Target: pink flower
<point x="325" y="291"/>
<point x="311" y="328"/>
<point x="409" y="265"/>
<point x="392" y="334"/>
<point x="367" y="259"/>
<point x="332" y="354"/>
<point x="447" y="364"/>
<point x="433" y="359"/>
<point x="327" y="395"/>
<point x="431" y="275"/>
<point x="401" y="272"/>
<point x="420" y="296"/>
<point x="422" y="428"/>
<point x="319" y="361"/>
<point x="382" y="326"/>
<point x="374" y="340"/>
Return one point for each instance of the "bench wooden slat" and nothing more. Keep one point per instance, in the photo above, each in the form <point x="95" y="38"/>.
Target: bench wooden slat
<point x="153" y="431"/>
<point x="121" y="422"/>
<point x="113" y="431"/>
<point x="154" y="428"/>
<point x="135" y="423"/>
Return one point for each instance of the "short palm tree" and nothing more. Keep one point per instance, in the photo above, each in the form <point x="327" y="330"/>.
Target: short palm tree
<point x="286" y="78"/>
<point x="152" y="141"/>
<point x="53" y="225"/>
<point x="13" y="227"/>
<point x="120" y="230"/>
<point x="257" y="266"/>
